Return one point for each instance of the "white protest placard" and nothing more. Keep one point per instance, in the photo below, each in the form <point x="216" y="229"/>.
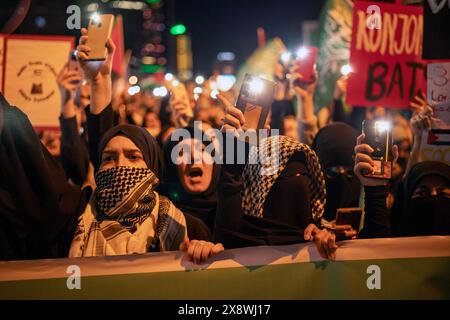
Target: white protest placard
<point x="32" y="64"/>
<point x="435" y="145"/>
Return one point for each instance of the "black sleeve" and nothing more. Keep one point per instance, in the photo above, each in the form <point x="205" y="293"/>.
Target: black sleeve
<point x="229" y="208"/>
<point x="97" y="126"/>
<point x="280" y="109"/>
<point x="197" y="229"/>
<point x="38" y="207"/>
<point x="338" y="111"/>
<point x="74" y="154"/>
<point x="376" y="216"/>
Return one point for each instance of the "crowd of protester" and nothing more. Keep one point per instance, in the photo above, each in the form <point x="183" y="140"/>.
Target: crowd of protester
<point x="106" y="184"/>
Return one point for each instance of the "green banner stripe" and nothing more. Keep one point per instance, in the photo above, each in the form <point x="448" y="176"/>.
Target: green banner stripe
<point x="412" y="278"/>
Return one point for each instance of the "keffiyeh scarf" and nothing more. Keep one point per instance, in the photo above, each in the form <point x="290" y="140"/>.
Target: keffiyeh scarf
<point x="266" y="164"/>
<point x="126" y="216"/>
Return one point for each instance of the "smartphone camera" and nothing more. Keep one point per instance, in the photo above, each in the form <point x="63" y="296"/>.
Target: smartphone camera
<point x="73" y="55"/>
<point x="96" y="20"/>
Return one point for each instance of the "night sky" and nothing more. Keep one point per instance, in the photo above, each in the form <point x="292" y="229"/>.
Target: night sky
<point x="230" y="25"/>
<point x="214" y="25"/>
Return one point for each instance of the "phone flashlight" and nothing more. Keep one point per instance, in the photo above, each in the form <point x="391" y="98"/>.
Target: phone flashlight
<point x="95" y="17"/>
<point x="346" y="69"/>
<point x="382" y="126"/>
<point x="255" y="86"/>
<point x="302" y="53"/>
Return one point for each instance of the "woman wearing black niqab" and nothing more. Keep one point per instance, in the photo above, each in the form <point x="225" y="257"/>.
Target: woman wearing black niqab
<point x="426" y="209"/>
<point x="334" y="145"/>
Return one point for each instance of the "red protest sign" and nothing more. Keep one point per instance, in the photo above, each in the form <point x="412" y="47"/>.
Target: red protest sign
<point x="385" y="55"/>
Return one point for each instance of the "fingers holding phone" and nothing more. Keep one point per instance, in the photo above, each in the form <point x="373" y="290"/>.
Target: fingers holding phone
<point x="234" y="118"/>
<point x="96" y="49"/>
<point x="370" y="171"/>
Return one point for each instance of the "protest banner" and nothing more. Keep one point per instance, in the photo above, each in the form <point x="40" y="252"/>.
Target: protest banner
<point x="31" y="66"/>
<point x="408" y="268"/>
<point x="386" y="55"/>
<point x="435" y="145"/>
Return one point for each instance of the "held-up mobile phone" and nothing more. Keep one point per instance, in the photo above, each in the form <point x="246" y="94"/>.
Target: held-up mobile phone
<point x="99" y="30"/>
<point x="255" y="100"/>
<point x="73" y="65"/>
<point x="179" y="93"/>
<point x="305" y="62"/>
<point x="349" y="216"/>
<point x="379" y="137"/>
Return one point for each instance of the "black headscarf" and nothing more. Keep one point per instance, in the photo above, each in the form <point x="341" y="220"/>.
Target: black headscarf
<point x="425" y="214"/>
<point x="202" y="205"/>
<point x="334" y="145"/>
<point x="149" y="147"/>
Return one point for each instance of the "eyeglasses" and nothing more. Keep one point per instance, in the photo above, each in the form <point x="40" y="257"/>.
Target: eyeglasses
<point x="333" y="172"/>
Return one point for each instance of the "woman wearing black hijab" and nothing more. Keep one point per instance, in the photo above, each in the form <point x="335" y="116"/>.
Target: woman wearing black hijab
<point x="279" y="205"/>
<point x="126" y="214"/>
<point x="181" y="179"/>
<point x="334" y="145"/>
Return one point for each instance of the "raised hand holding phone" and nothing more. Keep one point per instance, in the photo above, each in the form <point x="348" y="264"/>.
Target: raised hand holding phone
<point x="98" y="73"/>
<point x="365" y="165"/>
<point x="179" y="103"/>
<point x="255" y="100"/>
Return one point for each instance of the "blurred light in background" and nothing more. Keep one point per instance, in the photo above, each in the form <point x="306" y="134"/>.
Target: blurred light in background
<point x="160" y="92"/>
<point x="199" y="80"/>
<point x="40" y="22"/>
<point x="169" y="77"/>
<point x="225" y="56"/>
<point x="198" y="90"/>
<point x="133" y="90"/>
<point x="92" y="7"/>
<point x="129" y="5"/>
<point x="148" y="60"/>
<point x="133" y="80"/>
<point x="177" y="29"/>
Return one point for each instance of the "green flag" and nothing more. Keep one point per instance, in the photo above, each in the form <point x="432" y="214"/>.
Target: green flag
<point x="334" y="37"/>
<point x="262" y="62"/>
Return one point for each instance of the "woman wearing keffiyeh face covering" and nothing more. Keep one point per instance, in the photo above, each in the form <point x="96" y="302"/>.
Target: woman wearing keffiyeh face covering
<point x="126" y="215"/>
<point x="277" y="207"/>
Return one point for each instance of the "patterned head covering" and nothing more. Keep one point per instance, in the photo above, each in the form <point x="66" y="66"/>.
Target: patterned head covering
<point x="148" y="145"/>
<point x="266" y="164"/>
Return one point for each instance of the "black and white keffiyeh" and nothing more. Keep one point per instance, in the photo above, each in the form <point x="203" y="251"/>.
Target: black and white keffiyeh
<point x="126" y="216"/>
<point x="266" y="163"/>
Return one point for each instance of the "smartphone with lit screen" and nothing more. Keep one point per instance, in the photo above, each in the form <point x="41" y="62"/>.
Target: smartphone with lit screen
<point x="99" y="30"/>
<point x="378" y="135"/>
<point x="255" y="100"/>
<point x="305" y="62"/>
